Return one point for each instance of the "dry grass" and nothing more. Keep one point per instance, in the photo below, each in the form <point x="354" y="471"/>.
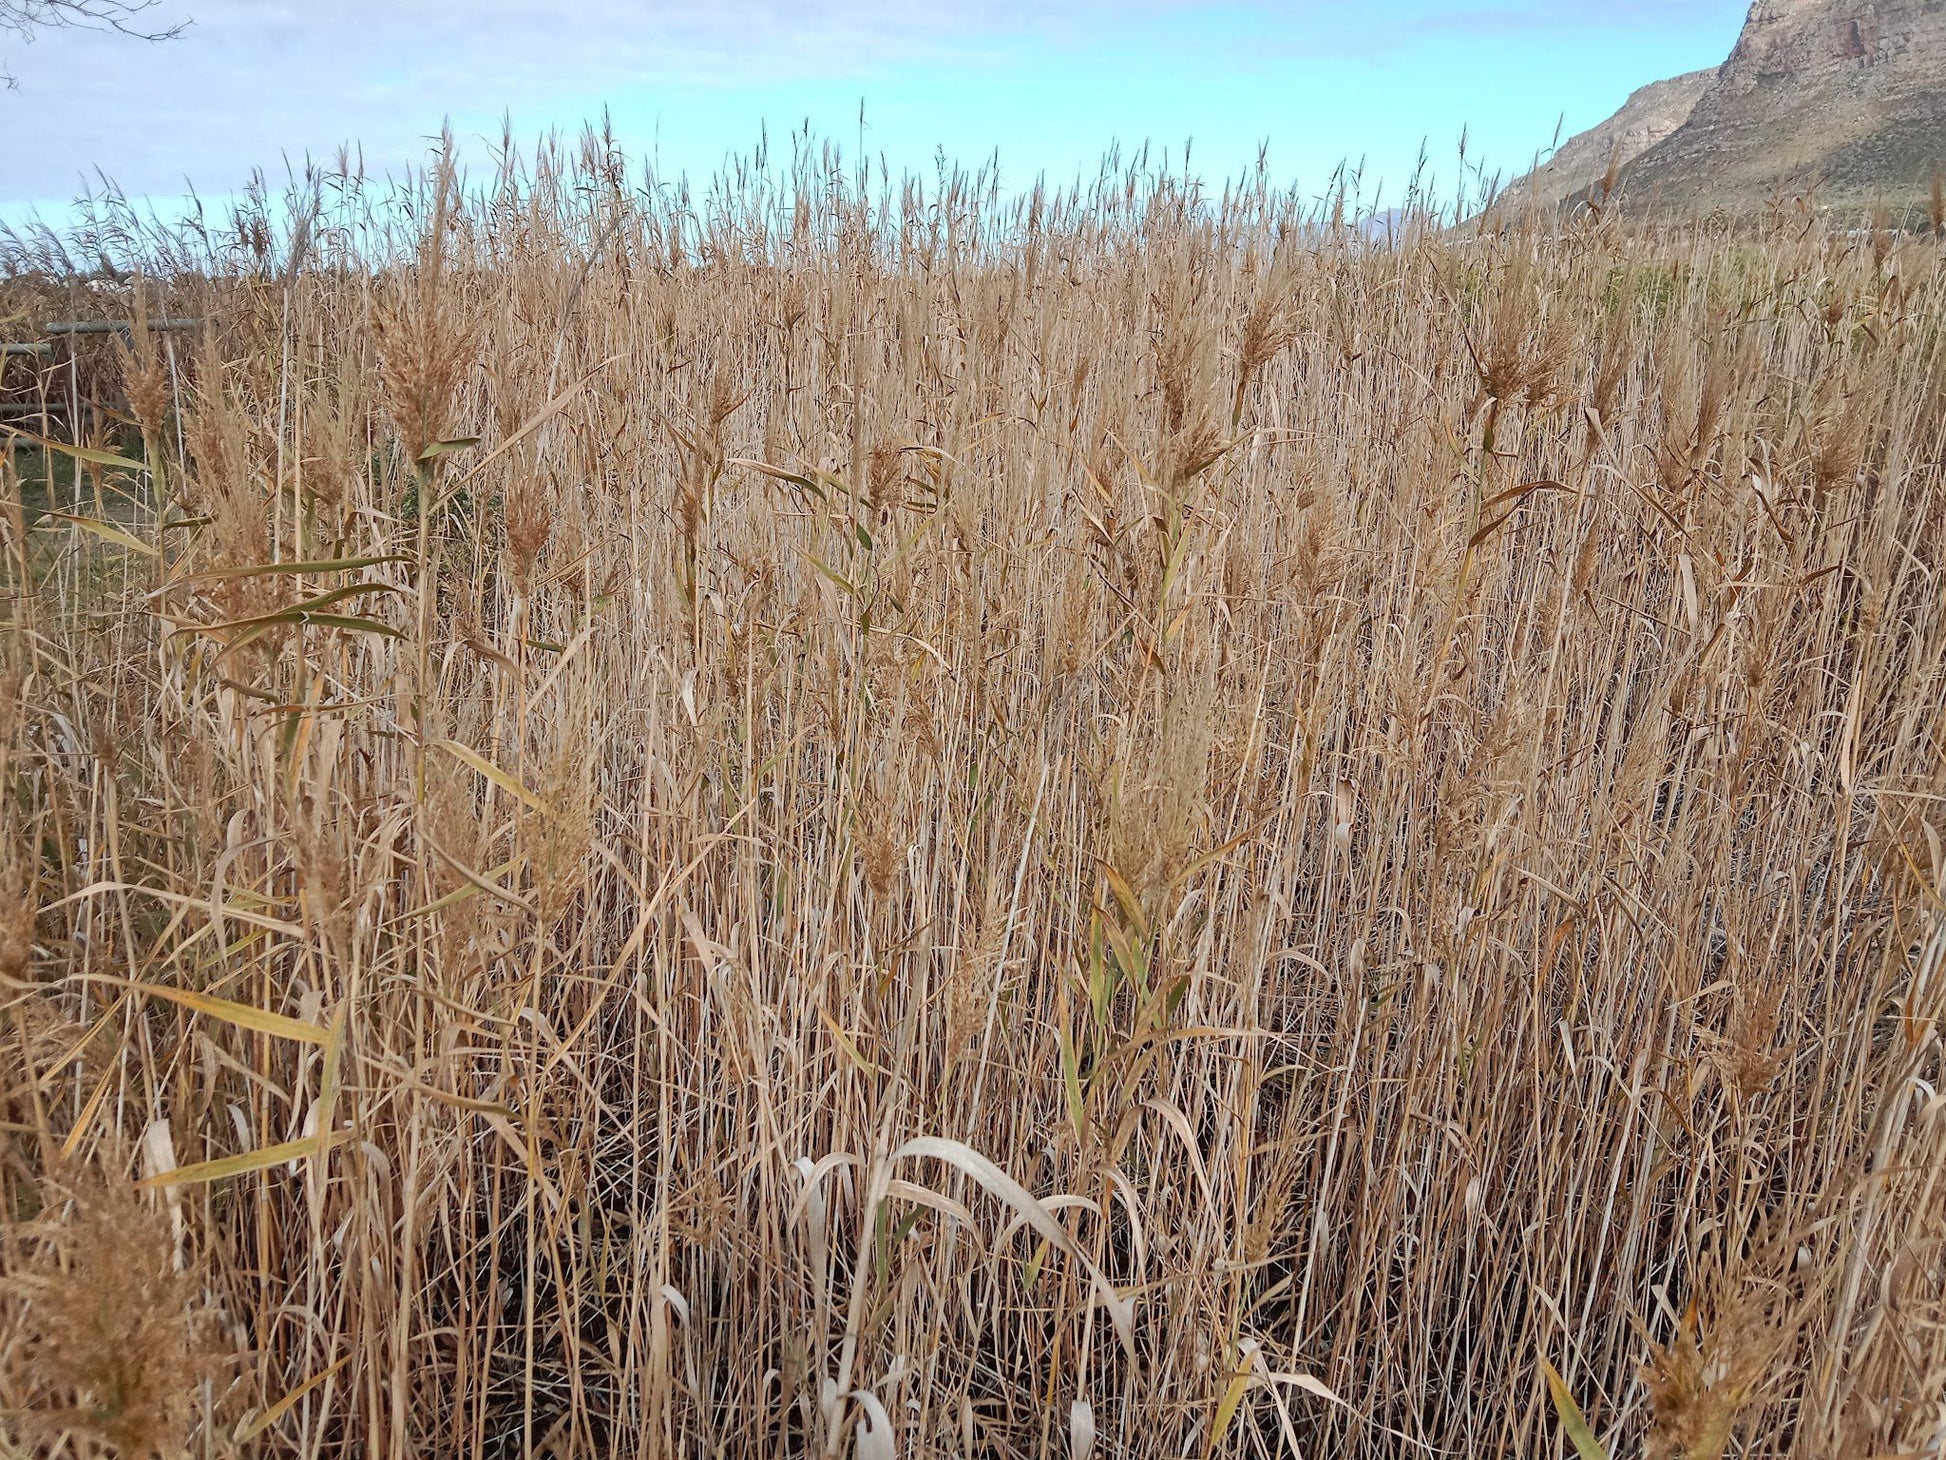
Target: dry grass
<point x="982" y="828"/>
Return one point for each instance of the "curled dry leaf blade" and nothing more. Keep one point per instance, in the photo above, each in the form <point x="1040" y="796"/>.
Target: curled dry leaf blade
<point x="998" y="1183"/>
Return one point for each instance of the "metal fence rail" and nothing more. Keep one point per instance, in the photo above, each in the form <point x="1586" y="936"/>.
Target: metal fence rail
<point x="67" y="329"/>
<point x="116" y="326"/>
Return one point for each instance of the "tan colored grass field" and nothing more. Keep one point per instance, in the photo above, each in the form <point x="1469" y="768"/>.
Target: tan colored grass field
<point x="973" y="828"/>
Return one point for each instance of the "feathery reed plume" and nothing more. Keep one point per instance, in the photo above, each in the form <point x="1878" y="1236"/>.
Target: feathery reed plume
<point x="113" y="1339"/>
<point x="1700" y="1382"/>
<point x="423" y="328"/>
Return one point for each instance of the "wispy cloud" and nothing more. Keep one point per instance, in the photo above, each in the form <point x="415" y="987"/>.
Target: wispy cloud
<point x="254" y="81"/>
<point x="252" y="78"/>
<point x="1355" y="32"/>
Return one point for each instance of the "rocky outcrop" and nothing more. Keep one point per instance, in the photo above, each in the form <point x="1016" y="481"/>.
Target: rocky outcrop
<point x="1839" y="101"/>
<point x="1650" y="114"/>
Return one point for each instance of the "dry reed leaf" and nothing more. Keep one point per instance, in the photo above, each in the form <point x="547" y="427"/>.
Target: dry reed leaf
<point x="1576" y="1428"/>
<point x="284" y="1153"/>
<point x="243" y="1016"/>
<point x="1030" y="1209"/>
<point x="264" y="1422"/>
<point x="466" y="755"/>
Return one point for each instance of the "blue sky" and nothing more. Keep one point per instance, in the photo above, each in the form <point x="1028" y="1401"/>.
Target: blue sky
<point x="1047" y="85"/>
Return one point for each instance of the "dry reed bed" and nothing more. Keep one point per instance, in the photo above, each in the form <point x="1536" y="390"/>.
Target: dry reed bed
<point x="1394" y="794"/>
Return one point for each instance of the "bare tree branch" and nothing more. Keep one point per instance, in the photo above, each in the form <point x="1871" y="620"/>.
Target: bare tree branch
<point x="25" y="17"/>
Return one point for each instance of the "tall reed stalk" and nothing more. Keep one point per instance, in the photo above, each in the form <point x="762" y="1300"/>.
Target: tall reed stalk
<point x="825" y="818"/>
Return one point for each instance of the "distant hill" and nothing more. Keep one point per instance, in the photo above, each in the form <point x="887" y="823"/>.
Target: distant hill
<point x="1841" y="100"/>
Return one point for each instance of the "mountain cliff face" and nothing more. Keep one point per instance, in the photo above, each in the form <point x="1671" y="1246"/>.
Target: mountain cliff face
<point x="1840" y="100"/>
<point x="1650" y="114"/>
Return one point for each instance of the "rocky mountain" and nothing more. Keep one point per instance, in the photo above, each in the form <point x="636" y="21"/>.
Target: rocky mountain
<point x="1841" y="101"/>
<point x="1650" y="114"/>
